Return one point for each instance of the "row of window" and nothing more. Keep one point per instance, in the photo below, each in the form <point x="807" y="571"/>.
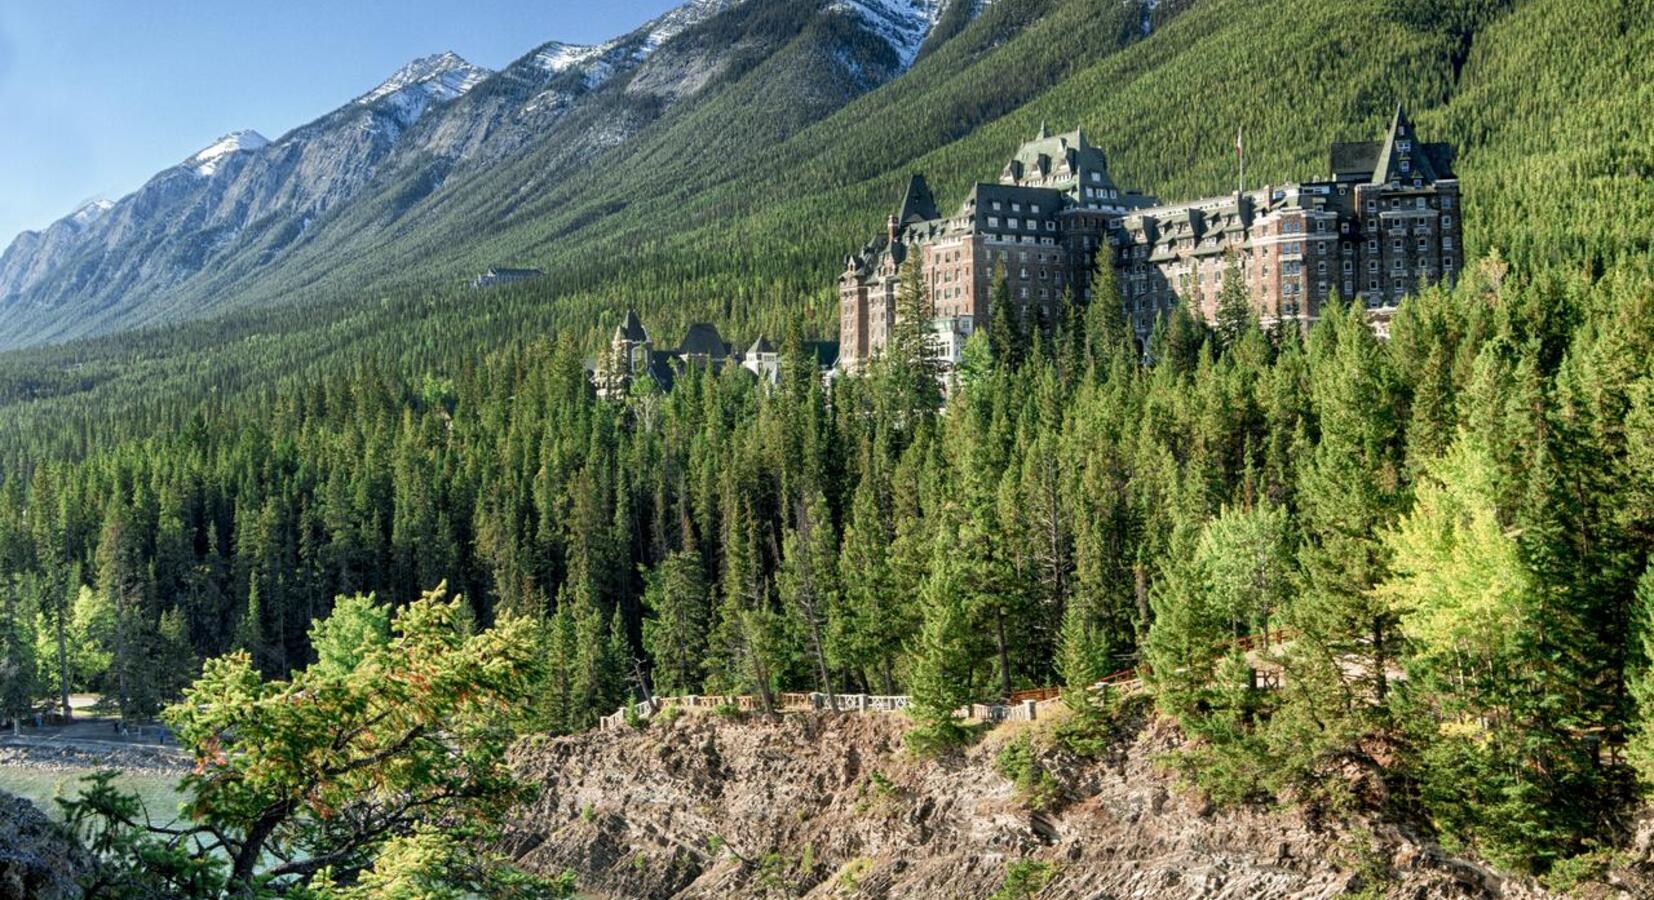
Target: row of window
<point x="1418" y="203"/>
<point x="1017" y="207"/>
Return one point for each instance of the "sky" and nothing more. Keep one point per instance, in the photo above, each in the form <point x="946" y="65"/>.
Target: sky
<point x="98" y="95"/>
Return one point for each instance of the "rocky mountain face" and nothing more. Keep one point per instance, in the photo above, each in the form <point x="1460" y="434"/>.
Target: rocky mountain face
<point x="197" y="233"/>
<point x="822" y="806"/>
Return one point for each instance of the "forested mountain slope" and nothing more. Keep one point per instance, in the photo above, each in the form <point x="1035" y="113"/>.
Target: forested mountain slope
<point x="1410" y="576"/>
<point x="197" y="240"/>
<point x="714" y="218"/>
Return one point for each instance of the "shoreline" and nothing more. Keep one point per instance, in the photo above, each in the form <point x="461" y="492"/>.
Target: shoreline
<point x="153" y="760"/>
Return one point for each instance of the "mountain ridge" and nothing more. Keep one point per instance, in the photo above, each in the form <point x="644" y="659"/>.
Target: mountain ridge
<point x="136" y="266"/>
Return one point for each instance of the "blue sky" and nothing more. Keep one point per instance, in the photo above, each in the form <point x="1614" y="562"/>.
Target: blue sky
<point x="97" y="95"/>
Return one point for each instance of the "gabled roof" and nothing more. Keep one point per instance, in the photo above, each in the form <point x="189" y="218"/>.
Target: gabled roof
<point x="1047" y="153"/>
<point x="918" y="204"/>
<point x="703" y="339"/>
<point x="1382" y="161"/>
<point x="631" y="329"/>
<point x="762" y="345"/>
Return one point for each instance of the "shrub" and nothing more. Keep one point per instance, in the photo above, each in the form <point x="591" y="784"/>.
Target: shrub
<point x="1019" y="762"/>
<point x="1024" y="879"/>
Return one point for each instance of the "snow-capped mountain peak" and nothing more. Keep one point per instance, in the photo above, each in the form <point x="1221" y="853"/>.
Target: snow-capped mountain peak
<point x="90" y="212"/>
<point x="903" y="24"/>
<point x="445" y="76"/>
<point x="207" y="161"/>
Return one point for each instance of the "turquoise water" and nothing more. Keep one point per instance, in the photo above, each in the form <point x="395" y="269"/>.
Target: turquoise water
<point x="158" y="792"/>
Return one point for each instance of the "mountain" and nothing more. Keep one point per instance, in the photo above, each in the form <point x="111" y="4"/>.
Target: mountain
<point x="739" y="206"/>
<point x="197" y="235"/>
<point x="87" y="270"/>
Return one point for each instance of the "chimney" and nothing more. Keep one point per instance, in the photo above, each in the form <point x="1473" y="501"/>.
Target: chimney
<point x="892" y="226"/>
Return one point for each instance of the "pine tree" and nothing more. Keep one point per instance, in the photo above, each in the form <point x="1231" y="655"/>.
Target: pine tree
<point x="1234" y="308"/>
<point x="1107" y="332"/>
<point x="1349" y="489"/>
<point x="942" y="658"/>
<point x="808" y="580"/>
<point x="676" y="631"/>
<point x="1005" y="332"/>
<point x="869" y="627"/>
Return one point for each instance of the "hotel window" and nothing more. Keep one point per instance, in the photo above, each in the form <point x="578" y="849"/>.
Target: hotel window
<point x="1395" y="202"/>
<point x="1372" y="265"/>
<point x="1447" y="263"/>
<point x="1372" y="206"/>
<point x="993" y="221"/>
<point x="1372" y="224"/>
<point x="1349" y="287"/>
<point x="1348" y="266"/>
<point x="1033" y="208"/>
<point x="1016" y="207"/>
<point x="1422" y="245"/>
<point x="1397" y="245"/>
<point x="1447" y="202"/>
<point x="1372" y="284"/>
<point x="1447" y="242"/>
<point x="1447" y="221"/>
<point x="1406" y="166"/>
<point x="1096" y="176"/>
<point x="996" y="204"/>
<point x="1372" y="246"/>
<point x="1343" y="228"/>
<point x="1404" y="146"/>
<point x="1421" y="204"/>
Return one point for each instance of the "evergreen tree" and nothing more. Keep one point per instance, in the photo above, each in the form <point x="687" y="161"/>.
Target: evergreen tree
<point x="808" y="581"/>
<point x="676" y="631"/>
<point x="942" y="658"/>
<point x="1234" y="308"/>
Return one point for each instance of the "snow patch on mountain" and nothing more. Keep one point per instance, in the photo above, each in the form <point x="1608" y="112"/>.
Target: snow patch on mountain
<point x="91" y="212"/>
<point x="440" y="77"/>
<point x="903" y="24"/>
<point x="602" y="61"/>
<point x="560" y="57"/>
<point x="206" y="162"/>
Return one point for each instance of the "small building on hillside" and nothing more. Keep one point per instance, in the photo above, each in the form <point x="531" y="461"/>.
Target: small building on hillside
<point x="632" y="354"/>
<point x="500" y="275"/>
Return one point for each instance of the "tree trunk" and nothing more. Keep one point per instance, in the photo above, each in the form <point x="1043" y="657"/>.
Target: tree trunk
<point x="1004" y="654"/>
<point x="63" y="661"/>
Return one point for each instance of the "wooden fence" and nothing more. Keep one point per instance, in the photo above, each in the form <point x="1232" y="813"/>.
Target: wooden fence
<point x="1023" y="706"/>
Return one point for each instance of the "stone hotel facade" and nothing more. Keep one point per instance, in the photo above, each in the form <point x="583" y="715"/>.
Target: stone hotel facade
<point x="1385" y="223"/>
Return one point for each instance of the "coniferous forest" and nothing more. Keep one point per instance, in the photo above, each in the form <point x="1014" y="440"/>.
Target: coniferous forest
<point x="1443" y="539"/>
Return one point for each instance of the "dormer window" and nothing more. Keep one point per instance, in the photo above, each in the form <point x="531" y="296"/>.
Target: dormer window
<point x="1096" y="176"/>
<point x="1034" y="208"/>
<point x="1404" y="146"/>
<point x="1406" y="165"/>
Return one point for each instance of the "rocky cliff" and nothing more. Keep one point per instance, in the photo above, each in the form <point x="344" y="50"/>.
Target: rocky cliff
<point x="38" y="861"/>
<point x="826" y="806"/>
